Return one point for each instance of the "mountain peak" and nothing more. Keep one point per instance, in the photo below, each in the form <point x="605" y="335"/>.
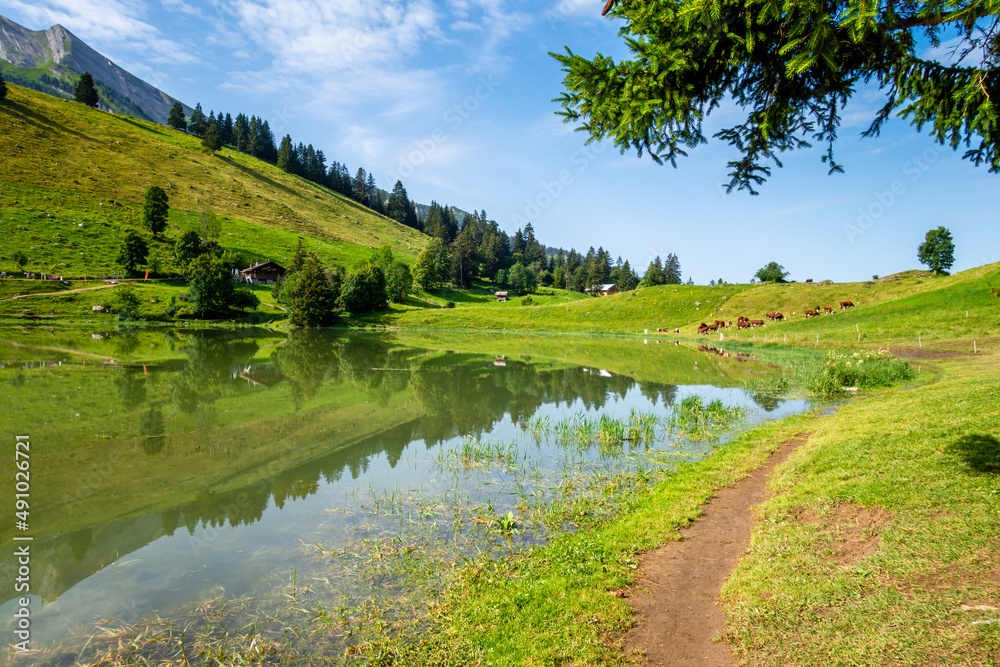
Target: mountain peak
<point x="67" y="56"/>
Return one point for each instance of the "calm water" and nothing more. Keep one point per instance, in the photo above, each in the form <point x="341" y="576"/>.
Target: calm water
<point x="172" y="467"/>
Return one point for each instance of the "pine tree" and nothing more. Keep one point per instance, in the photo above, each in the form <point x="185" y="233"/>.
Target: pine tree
<point x="155" y="209"/>
<point x="360" y="182"/>
<point x="287" y="159"/>
<point x="176" y="119"/>
<point x="264" y="143"/>
<point x="198" y="124"/>
<point x="227" y="129"/>
<point x="399" y="207"/>
<point x="672" y="270"/>
<point x="790" y="68"/>
<point x="86" y="93"/>
<point x="3" y="87"/>
<point x="241" y="133"/>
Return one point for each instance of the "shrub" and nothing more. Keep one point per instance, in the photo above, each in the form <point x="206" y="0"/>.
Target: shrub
<point x="869" y="369"/>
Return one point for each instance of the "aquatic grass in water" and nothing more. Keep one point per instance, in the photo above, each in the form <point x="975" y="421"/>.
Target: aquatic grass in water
<point x="868" y="369"/>
<point x="473" y="453"/>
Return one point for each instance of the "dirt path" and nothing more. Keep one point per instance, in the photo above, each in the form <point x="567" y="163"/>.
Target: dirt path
<point x="68" y="291"/>
<point x="676" y="596"/>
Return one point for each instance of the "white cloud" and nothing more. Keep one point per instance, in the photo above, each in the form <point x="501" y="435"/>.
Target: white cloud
<point x="311" y="36"/>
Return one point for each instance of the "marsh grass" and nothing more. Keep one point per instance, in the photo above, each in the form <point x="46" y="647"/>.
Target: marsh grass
<point x="867" y="369"/>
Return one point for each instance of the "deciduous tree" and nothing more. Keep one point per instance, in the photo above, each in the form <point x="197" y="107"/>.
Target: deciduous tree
<point x="938" y="250"/>
<point x="364" y="290"/>
<point x="789" y="67"/>
<point x="133" y="252"/>
<point x="211" y="139"/>
<point x="772" y="273"/>
<point x="155" y="209"/>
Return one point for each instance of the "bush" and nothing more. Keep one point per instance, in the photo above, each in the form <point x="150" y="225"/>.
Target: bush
<point x="450" y="304"/>
<point x="870" y="369"/>
<point x="364" y="290"/>
<point x="125" y="303"/>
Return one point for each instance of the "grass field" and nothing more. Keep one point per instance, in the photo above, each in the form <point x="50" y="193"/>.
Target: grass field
<point x="74" y="180"/>
<point x="918" y="309"/>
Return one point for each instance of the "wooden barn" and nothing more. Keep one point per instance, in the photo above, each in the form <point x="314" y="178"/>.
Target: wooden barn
<point x="501" y="296"/>
<point x="265" y="273"/>
<point x="602" y="290"/>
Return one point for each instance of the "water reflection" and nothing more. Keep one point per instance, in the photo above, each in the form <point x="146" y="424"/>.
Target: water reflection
<point x="211" y="429"/>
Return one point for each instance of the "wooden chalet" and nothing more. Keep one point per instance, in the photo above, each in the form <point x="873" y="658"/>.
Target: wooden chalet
<point x="501" y="296"/>
<point x="602" y="290"/>
<point x="265" y="273"/>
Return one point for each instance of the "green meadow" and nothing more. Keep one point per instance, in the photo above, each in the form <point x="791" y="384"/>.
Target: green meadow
<point x="74" y="180"/>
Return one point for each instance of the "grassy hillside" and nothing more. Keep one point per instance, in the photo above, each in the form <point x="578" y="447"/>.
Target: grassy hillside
<point x="947" y="312"/>
<point x="72" y="182"/>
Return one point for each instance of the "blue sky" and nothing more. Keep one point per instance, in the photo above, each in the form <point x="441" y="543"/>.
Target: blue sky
<point x="454" y="97"/>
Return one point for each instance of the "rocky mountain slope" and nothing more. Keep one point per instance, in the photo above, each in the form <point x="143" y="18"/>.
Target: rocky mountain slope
<point x="52" y="60"/>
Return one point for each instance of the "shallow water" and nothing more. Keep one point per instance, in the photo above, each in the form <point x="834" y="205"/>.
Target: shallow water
<point x="170" y="467"/>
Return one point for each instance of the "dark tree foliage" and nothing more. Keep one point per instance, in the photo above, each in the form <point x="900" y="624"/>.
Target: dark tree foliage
<point x="311" y="295"/>
<point x="364" y="290"/>
<point x="133" y="252"/>
<point x="86" y="91"/>
<point x="772" y="273"/>
<point x="433" y="265"/>
<point x="211" y="291"/>
<point x="790" y="67"/>
<point x="176" y="118"/>
<point x="399" y="207"/>
<point x="937" y="251"/>
<point x="672" y="270"/>
<point x="212" y="140"/>
<point x="226" y="129"/>
<point x="199" y="123"/>
<point x="465" y="258"/>
<point x="186" y="248"/>
<point x="155" y="209"/>
<point x="241" y="133"/>
<point x="287" y="158"/>
<point x="398" y="279"/>
<point x="3" y="87"/>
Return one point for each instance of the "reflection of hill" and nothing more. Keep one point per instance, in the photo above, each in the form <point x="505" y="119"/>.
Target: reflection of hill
<point x="194" y="444"/>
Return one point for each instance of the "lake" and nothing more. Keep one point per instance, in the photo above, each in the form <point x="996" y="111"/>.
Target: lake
<point x="262" y="474"/>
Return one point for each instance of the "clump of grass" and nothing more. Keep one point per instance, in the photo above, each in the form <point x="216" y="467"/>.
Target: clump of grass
<point x="473" y="453"/>
<point x="869" y="369"/>
<point x="641" y="427"/>
<point x="610" y="430"/>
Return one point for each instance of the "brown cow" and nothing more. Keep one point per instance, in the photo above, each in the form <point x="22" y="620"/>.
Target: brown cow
<point x="846" y="304"/>
<point x="778" y="317"/>
<point x="828" y="310"/>
<point x="743" y="324"/>
<point x="756" y="323"/>
<point x="812" y="313"/>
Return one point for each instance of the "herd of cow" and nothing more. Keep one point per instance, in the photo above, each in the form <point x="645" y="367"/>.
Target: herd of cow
<point x="746" y="323"/>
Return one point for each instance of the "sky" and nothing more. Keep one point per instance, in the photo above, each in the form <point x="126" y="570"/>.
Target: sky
<point x="455" y="99"/>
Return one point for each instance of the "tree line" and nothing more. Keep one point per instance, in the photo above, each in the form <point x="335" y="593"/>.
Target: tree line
<point x="253" y="136"/>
